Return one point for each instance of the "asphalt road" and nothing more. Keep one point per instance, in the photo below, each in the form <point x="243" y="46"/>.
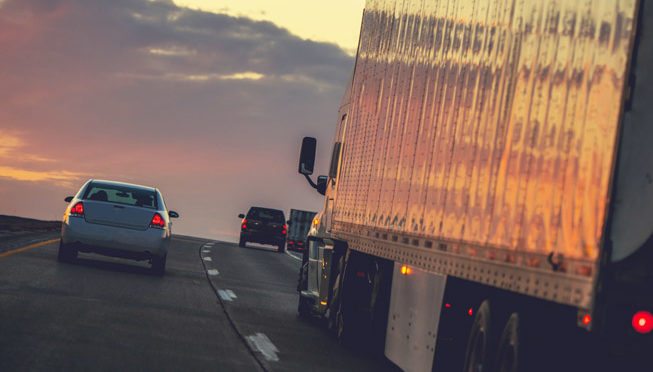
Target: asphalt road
<point x="219" y="307"/>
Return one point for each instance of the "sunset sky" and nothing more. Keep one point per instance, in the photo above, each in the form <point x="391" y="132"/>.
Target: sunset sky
<point x="206" y="100"/>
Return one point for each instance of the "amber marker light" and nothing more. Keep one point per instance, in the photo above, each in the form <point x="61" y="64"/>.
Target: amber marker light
<point x="405" y="270"/>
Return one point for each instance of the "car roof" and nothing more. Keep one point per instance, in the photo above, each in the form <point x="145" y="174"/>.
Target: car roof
<point x="267" y="209"/>
<point x="117" y="183"/>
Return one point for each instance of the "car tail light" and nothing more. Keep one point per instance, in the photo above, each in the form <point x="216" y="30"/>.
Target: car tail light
<point x="244" y="223"/>
<point x="158" y="221"/>
<point x="643" y="322"/>
<point x="285" y="227"/>
<point x="77" y="210"/>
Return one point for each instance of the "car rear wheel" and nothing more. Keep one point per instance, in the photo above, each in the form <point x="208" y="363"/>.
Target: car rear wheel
<point x="282" y="247"/>
<point x="66" y="253"/>
<point x="241" y="242"/>
<point x="159" y="265"/>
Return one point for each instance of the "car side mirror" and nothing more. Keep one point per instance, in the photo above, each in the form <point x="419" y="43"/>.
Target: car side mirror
<point x="68" y="199"/>
<point x="322" y="184"/>
<point x="307" y="156"/>
<point x="173" y="214"/>
<point x="288" y="222"/>
<point x="241" y="216"/>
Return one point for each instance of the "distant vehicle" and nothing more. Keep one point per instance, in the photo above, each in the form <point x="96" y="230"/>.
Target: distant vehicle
<point x="264" y="226"/>
<point x="299" y="223"/>
<point x="119" y="220"/>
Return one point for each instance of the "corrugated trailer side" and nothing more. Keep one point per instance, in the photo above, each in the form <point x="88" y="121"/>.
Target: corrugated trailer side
<point x="480" y="139"/>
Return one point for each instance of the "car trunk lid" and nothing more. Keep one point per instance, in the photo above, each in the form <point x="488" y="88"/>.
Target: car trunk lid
<point x="113" y="214"/>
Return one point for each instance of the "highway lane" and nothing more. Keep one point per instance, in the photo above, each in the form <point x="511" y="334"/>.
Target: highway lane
<point x="258" y="290"/>
<point x="108" y="314"/>
<point x="219" y="307"/>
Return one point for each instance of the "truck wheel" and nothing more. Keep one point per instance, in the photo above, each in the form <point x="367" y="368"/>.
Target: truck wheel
<point x="477" y="354"/>
<point x="509" y="350"/>
<point x="66" y="253"/>
<point x="241" y="242"/>
<point x="304" y="307"/>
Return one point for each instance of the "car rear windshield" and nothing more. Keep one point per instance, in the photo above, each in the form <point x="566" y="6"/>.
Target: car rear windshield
<point x="121" y="195"/>
<point x="274" y="215"/>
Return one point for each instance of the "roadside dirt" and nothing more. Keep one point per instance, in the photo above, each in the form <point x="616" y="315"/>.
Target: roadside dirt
<point x="17" y="232"/>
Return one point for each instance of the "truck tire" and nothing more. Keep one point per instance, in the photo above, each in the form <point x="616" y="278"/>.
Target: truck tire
<point x="509" y="348"/>
<point x="479" y="355"/>
<point x="304" y="307"/>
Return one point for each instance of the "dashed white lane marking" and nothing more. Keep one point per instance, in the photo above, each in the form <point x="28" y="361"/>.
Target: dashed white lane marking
<point x="208" y="259"/>
<point x="213" y="272"/>
<point x="293" y="256"/>
<point x="262" y="343"/>
<point x="227" y="294"/>
<point x="206" y="251"/>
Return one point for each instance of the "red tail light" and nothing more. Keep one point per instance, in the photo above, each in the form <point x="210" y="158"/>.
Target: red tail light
<point x="158" y="221"/>
<point x="470" y="311"/>
<point x="244" y="223"/>
<point x="77" y="209"/>
<point x="643" y="322"/>
<point x="285" y="227"/>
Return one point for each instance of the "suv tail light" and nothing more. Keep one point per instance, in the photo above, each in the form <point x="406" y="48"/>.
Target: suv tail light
<point x="244" y="223"/>
<point x="77" y="210"/>
<point x="285" y="227"/>
<point x="158" y="221"/>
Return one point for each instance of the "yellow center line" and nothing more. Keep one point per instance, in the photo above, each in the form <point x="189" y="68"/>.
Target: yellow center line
<point x="5" y="254"/>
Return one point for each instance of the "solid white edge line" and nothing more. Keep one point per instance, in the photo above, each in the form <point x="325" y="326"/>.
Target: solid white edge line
<point x="293" y="256"/>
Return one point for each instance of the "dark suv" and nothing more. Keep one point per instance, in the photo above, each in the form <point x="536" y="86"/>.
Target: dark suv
<point x="264" y="226"/>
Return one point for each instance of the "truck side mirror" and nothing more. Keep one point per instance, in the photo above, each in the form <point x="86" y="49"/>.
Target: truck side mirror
<point x="307" y="156"/>
<point x="322" y="184"/>
<point x="241" y="216"/>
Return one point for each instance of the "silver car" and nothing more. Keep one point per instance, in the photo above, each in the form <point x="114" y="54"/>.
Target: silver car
<point x="117" y="219"/>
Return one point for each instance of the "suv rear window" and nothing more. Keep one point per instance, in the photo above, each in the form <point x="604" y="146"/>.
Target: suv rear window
<point x="121" y="195"/>
<point x="273" y="215"/>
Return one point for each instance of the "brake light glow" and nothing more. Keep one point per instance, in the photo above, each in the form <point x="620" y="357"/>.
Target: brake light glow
<point x="587" y="319"/>
<point x="77" y="209"/>
<point x="158" y="221"/>
<point x="244" y="223"/>
<point x="447" y="305"/>
<point x="285" y="228"/>
<point x="643" y="322"/>
<point x="470" y="311"/>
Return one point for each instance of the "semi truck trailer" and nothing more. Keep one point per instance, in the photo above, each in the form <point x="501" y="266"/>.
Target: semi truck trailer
<point x="489" y="201"/>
